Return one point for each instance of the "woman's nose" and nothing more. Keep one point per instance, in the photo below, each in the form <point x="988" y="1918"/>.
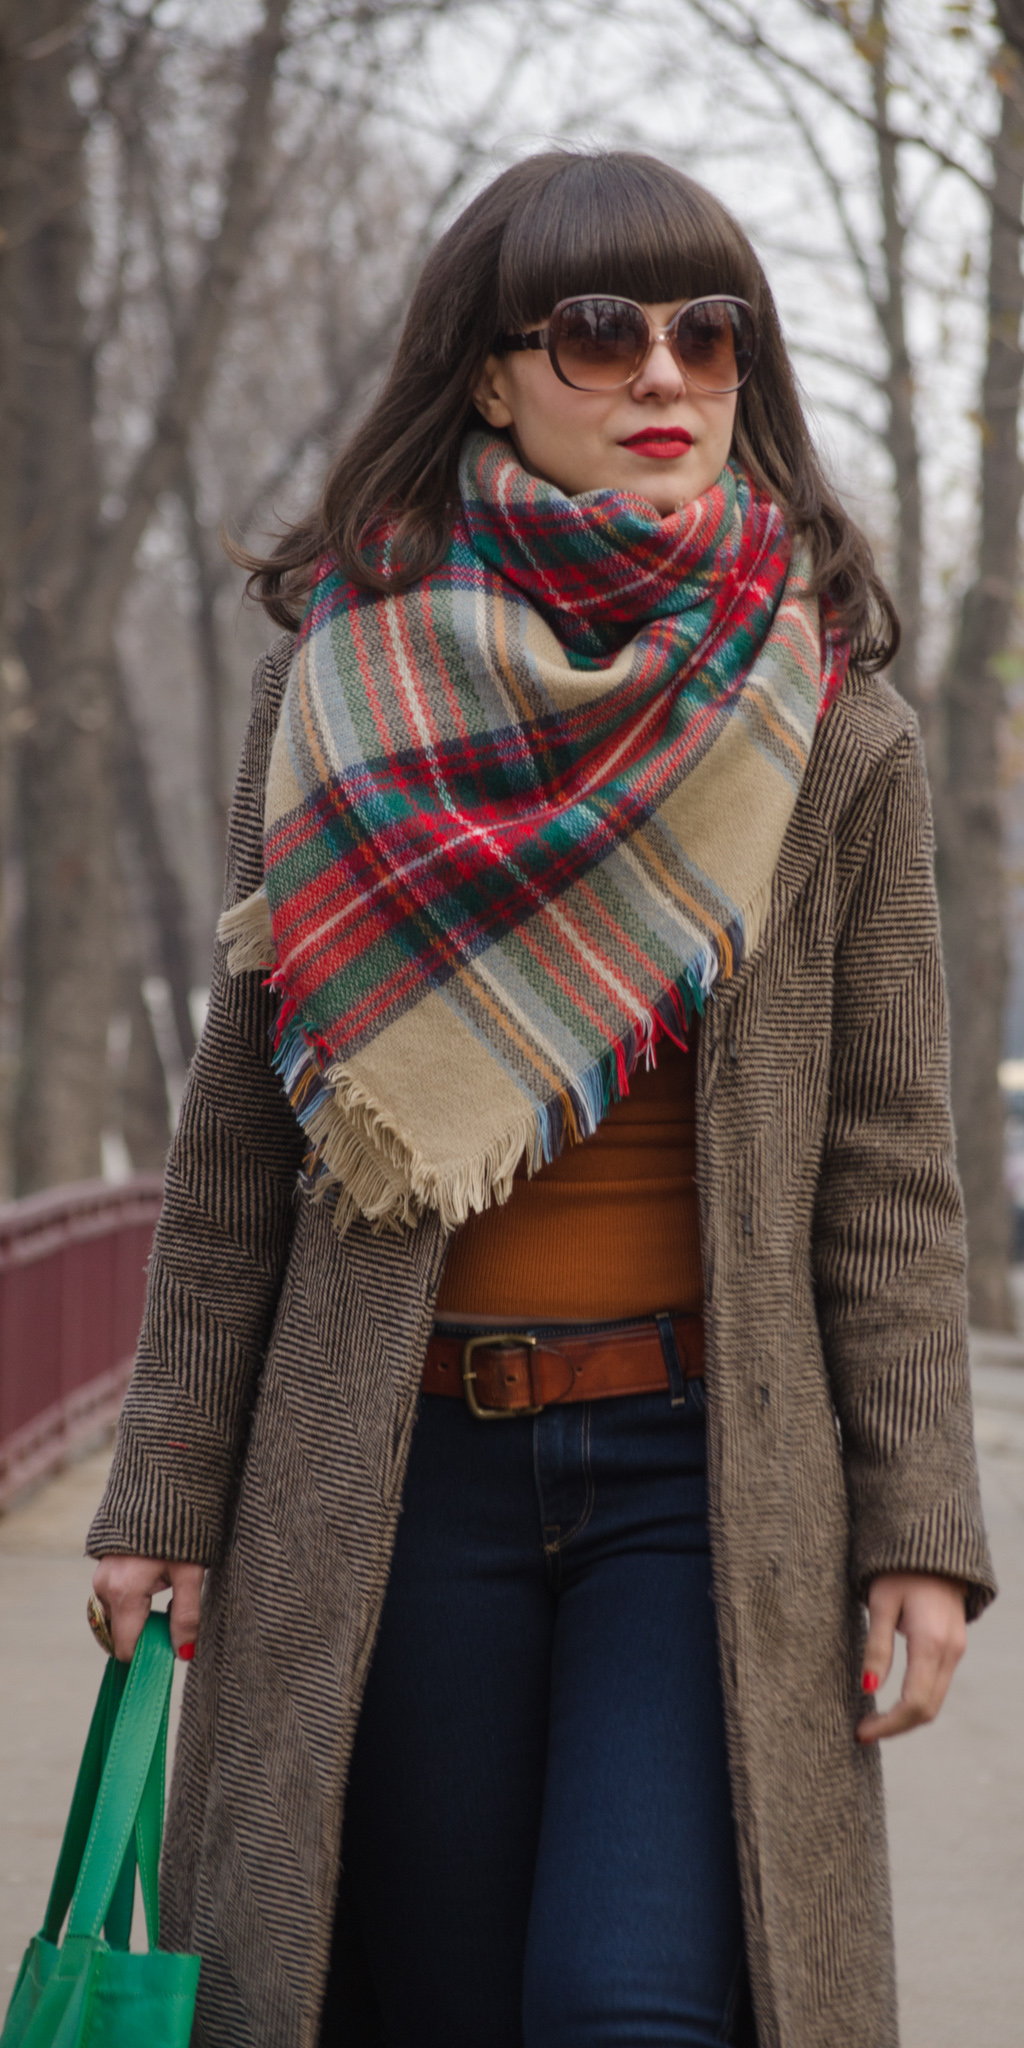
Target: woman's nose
<point x="661" y="374"/>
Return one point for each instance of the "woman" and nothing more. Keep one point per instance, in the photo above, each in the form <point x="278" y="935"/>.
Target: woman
<point x="581" y="741"/>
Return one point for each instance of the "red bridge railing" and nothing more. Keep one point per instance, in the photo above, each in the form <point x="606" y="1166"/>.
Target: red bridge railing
<point x="72" y="1282"/>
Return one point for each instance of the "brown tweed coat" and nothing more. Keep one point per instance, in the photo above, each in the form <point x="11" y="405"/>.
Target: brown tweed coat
<point x="266" y="1429"/>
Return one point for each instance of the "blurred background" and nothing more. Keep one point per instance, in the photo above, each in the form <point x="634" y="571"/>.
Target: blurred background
<point x="210" y="215"/>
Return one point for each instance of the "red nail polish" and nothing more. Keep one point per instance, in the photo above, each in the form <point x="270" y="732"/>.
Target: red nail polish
<point x="188" y="1651"/>
<point x="869" y="1682"/>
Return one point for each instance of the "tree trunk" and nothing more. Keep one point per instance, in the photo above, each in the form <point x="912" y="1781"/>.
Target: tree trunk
<point x="971" y="862"/>
<point x="211" y="674"/>
<point x="161" y="909"/>
<point x="67" y="834"/>
<point x="138" y="1127"/>
<point x="79" y="572"/>
<point x="12" y="710"/>
<point x="898" y="377"/>
<point x="143" y="1104"/>
<point x="10" y="221"/>
<point x="158" y="468"/>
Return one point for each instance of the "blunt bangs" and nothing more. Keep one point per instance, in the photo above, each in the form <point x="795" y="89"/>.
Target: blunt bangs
<point x="622" y="223"/>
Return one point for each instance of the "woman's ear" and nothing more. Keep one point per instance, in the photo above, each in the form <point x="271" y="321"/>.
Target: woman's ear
<point x="490" y="395"/>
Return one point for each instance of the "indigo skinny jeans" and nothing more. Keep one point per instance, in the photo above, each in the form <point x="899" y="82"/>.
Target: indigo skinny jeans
<point x="538" y="1848"/>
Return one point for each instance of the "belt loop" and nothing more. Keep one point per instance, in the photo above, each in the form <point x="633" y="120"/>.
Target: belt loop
<point x="673" y="1364"/>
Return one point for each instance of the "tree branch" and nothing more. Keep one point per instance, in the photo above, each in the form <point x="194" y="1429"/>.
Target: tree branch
<point x="834" y="190"/>
<point x="838" y="362"/>
<point x="158" y="467"/>
<point x="751" y="39"/>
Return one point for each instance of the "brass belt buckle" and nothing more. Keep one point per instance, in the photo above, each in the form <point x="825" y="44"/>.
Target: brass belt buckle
<point x="489" y="1340"/>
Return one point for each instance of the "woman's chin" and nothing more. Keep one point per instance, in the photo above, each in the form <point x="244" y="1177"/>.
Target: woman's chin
<point x="668" y="486"/>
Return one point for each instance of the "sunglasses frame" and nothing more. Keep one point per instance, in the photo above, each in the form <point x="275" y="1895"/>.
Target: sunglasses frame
<point x="542" y="338"/>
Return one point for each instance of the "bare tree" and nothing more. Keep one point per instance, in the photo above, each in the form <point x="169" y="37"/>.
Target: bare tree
<point x="972" y="862"/>
<point x="10" y="160"/>
<point x="64" y="783"/>
<point x="11" y="679"/>
<point x="964" y="720"/>
<point x="962" y="707"/>
<point x="79" y="565"/>
<point x="85" y="762"/>
<point x="889" y="302"/>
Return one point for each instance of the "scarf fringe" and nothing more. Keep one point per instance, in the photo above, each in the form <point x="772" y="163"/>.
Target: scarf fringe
<point x="247" y="932"/>
<point x="359" y="1156"/>
<point x="755" y="917"/>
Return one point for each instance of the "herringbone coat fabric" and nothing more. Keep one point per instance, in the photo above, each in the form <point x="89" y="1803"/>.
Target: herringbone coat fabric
<point x="267" y="1426"/>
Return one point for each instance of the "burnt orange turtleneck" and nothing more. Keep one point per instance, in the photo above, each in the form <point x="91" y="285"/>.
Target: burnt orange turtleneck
<point x="607" y="1231"/>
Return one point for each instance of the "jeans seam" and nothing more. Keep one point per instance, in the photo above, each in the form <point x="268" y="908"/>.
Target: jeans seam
<point x="590" y="1491"/>
<point x="549" y="1551"/>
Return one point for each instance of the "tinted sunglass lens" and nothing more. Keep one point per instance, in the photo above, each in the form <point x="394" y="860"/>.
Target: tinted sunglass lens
<point x="714" y="341"/>
<point x="598" y="343"/>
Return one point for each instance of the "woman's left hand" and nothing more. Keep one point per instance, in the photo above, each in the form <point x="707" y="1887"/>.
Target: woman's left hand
<point x="929" y="1611"/>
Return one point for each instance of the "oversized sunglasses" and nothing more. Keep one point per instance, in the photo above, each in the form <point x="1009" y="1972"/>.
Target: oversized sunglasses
<point x="599" y="344"/>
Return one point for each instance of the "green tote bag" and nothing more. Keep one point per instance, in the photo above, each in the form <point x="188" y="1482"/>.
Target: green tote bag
<point x="89" y="1991"/>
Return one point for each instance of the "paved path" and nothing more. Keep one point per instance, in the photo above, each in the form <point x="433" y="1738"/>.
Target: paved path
<point x="956" y="1790"/>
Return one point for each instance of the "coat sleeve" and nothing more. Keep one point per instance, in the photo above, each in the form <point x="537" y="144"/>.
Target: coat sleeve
<point x="222" y="1242"/>
<point x="890" y="1253"/>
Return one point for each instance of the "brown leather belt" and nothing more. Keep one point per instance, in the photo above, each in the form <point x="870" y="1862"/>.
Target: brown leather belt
<point x="515" y="1372"/>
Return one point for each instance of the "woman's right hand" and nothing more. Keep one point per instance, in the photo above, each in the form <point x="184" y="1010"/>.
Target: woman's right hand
<point x="124" y="1587"/>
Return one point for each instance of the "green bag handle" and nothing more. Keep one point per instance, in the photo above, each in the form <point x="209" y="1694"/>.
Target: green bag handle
<point x="76" y="1833"/>
<point x="130" y="1722"/>
<point x="131" y="1793"/>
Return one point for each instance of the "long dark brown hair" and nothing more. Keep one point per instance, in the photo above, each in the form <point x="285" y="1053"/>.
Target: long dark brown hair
<point x="556" y="224"/>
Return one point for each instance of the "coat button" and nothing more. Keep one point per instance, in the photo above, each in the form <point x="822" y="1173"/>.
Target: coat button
<point x="748" y="1223"/>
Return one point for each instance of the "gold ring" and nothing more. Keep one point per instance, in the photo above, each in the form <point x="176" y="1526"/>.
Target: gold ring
<point x="99" y="1624"/>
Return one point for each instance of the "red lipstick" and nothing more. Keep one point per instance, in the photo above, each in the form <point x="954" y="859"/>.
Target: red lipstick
<point x="664" y="444"/>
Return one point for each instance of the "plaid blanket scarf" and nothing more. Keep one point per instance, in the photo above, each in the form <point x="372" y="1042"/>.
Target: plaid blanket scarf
<point x="520" y="818"/>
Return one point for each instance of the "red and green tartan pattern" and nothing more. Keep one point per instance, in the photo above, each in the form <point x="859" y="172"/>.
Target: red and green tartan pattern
<point x="480" y="792"/>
